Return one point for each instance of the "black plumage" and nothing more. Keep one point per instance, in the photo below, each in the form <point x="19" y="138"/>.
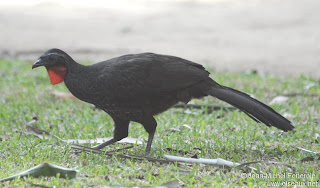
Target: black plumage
<point x="136" y="87"/>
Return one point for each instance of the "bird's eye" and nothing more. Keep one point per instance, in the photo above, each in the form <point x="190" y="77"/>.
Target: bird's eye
<point x="51" y="58"/>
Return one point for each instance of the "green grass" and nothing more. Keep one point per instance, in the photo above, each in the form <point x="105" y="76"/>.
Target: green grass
<point x="25" y="93"/>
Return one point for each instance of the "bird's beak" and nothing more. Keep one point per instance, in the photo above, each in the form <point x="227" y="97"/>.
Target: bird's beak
<point x="38" y="63"/>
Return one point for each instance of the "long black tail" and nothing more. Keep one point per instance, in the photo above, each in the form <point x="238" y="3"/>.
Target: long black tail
<point x="252" y="107"/>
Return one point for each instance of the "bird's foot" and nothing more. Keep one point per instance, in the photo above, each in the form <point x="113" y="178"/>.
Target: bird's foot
<point x="77" y="152"/>
<point x="87" y="150"/>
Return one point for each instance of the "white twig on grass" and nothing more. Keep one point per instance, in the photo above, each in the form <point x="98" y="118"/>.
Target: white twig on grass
<point x="217" y="162"/>
<point x="308" y="151"/>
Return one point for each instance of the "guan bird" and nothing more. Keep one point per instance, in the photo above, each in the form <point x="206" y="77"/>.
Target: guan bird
<point x="136" y="87"/>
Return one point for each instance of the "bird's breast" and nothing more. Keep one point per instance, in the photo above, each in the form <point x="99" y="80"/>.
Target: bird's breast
<point x="123" y="111"/>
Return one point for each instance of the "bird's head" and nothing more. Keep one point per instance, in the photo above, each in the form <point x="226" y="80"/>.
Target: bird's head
<point x="55" y="61"/>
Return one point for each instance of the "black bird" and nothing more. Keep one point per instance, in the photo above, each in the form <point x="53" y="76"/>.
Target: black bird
<point x="136" y="87"/>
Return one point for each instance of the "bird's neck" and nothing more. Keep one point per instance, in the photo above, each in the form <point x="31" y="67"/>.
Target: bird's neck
<point x="79" y="81"/>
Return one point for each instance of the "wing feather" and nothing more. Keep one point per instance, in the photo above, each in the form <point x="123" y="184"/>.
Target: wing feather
<point x="148" y="74"/>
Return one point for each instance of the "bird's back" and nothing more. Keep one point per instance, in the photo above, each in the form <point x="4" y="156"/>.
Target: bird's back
<point x="140" y="82"/>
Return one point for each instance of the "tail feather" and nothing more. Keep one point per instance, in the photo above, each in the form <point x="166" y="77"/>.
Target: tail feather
<point x="255" y="109"/>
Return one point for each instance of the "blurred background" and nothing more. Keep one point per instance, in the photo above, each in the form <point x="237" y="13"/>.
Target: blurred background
<point x="278" y="37"/>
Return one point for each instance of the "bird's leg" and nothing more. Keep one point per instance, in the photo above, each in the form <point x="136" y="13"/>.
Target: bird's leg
<point x="120" y="132"/>
<point x="104" y="144"/>
<point x="99" y="146"/>
<point x="150" y="125"/>
<point x="149" y="143"/>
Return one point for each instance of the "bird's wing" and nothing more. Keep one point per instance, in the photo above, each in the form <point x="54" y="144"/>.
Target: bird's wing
<point x="148" y="74"/>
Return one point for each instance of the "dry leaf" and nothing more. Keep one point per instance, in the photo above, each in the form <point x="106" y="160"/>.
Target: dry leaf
<point x="310" y="158"/>
<point x="288" y="116"/>
<point x="279" y="100"/>
<point x="62" y="95"/>
<point x="173" y="130"/>
<point x="38" y="132"/>
<point x="171" y="184"/>
<point x="187" y="111"/>
<point x="309" y="85"/>
<point x="45" y="169"/>
<point x="187" y="126"/>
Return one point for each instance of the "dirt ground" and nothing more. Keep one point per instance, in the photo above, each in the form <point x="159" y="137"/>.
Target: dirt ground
<point x="280" y="37"/>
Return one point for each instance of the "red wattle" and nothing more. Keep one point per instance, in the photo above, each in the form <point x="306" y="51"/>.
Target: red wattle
<point x="57" y="74"/>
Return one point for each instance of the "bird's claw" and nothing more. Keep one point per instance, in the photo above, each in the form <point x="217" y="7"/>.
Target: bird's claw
<point x="80" y="151"/>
